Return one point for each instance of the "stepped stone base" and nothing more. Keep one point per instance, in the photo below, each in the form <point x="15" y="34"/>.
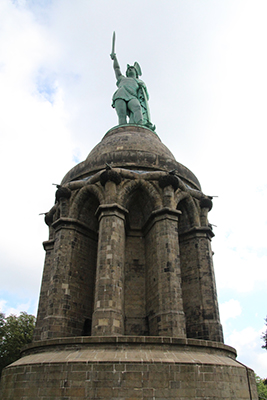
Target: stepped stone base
<point x="128" y="367"/>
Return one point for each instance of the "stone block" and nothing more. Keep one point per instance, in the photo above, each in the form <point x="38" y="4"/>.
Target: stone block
<point x="74" y="392"/>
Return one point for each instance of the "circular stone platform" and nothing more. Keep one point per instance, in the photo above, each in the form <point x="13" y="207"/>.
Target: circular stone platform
<point x="128" y="367"/>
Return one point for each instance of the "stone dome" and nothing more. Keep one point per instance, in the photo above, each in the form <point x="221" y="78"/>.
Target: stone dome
<point x="132" y="147"/>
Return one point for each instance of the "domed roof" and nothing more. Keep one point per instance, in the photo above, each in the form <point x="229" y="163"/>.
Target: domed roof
<point x="132" y="147"/>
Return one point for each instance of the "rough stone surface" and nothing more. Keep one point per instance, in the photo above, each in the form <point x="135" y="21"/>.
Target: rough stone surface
<point x="119" y="259"/>
<point x="128" y="306"/>
<point x="129" y="368"/>
<point x="130" y="146"/>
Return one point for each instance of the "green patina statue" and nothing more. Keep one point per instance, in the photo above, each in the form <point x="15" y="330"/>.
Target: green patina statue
<point x="131" y="97"/>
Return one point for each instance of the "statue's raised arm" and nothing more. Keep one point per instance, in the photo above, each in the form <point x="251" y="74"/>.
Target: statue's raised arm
<point x="131" y="97"/>
<point x="116" y="65"/>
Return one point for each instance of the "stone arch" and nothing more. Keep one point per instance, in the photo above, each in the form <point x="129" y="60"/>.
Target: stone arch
<point x="190" y="215"/>
<point x="140" y="198"/>
<point x="129" y="187"/>
<point x="83" y="255"/>
<point x="82" y="197"/>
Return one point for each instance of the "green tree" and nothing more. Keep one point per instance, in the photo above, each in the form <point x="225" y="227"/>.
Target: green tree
<point x="15" y="332"/>
<point x="261" y="387"/>
<point x="264" y="337"/>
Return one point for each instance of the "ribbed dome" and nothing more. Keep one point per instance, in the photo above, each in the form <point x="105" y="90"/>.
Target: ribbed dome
<point x="133" y="147"/>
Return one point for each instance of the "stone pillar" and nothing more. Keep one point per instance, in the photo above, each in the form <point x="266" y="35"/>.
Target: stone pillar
<point x="67" y="287"/>
<point x="164" y="294"/>
<point x="44" y="293"/>
<point x="199" y="288"/>
<point x="55" y="322"/>
<point x="108" y="316"/>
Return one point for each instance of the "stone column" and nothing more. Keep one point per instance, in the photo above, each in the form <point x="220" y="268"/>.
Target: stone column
<point x="55" y="322"/>
<point x="199" y="288"/>
<point x="40" y="331"/>
<point x="108" y="316"/>
<point x="164" y="294"/>
<point x="67" y="290"/>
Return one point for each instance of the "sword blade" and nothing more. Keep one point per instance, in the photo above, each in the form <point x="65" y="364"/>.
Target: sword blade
<point x="113" y="43"/>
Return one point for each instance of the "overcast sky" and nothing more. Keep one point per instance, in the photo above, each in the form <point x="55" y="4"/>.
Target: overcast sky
<point x="205" y="66"/>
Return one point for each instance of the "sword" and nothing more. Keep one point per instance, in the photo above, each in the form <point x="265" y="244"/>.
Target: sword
<point x="113" y="46"/>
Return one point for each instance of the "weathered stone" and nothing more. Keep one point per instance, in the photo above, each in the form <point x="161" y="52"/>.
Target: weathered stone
<point x="143" y="365"/>
<point x="128" y="305"/>
<point x="131" y="147"/>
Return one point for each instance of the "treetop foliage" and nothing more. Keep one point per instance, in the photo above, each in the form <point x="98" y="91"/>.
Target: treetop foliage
<point x="261" y="387"/>
<point x="264" y="337"/>
<point x="15" y="332"/>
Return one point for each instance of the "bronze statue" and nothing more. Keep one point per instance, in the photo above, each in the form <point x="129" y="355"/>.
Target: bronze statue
<point x="131" y="97"/>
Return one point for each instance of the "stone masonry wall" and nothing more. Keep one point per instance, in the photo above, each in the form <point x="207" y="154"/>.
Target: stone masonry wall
<point x="127" y="381"/>
<point x="141" y="283"/>
<point x="135" y="285"/>
<point x="67" y="292"/>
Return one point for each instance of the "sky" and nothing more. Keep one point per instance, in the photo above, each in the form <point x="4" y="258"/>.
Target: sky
<point x="205" y="66"/>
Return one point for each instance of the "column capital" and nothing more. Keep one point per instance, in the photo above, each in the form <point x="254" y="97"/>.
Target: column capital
<point x="197" y="231"/>
<point x="73" y="223"/>
<point x="166" y="210"/>
<point x="48" y="244"/>
<point x="111" y="209"/>
<point x="162" y="213"/>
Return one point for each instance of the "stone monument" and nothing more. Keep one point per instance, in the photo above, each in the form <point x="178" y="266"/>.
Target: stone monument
<point x="128" y="306"/>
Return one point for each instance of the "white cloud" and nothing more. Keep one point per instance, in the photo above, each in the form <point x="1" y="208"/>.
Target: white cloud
<point x="35" y="151"/>
<point x="239" y="269"/>
<point x="2" y="305"/>
<point x="20" y="307"/>
<point x="247" y="338"/>
<point x="240" y="244"/>
<point x="247" y="342"/>
<point x="230" y="309"/>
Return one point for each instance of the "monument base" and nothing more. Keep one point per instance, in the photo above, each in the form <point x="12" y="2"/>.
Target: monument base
<point x="128" y="367"/>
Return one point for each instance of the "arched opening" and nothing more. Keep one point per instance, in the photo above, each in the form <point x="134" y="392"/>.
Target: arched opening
<point x="184" y="219"/>
<point x="140" y="207"/>
<point x="84" y="256"/>
<point x="87" y="327"/>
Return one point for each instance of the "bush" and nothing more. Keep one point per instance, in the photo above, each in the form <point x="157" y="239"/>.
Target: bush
<point x="261" y="387"/>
